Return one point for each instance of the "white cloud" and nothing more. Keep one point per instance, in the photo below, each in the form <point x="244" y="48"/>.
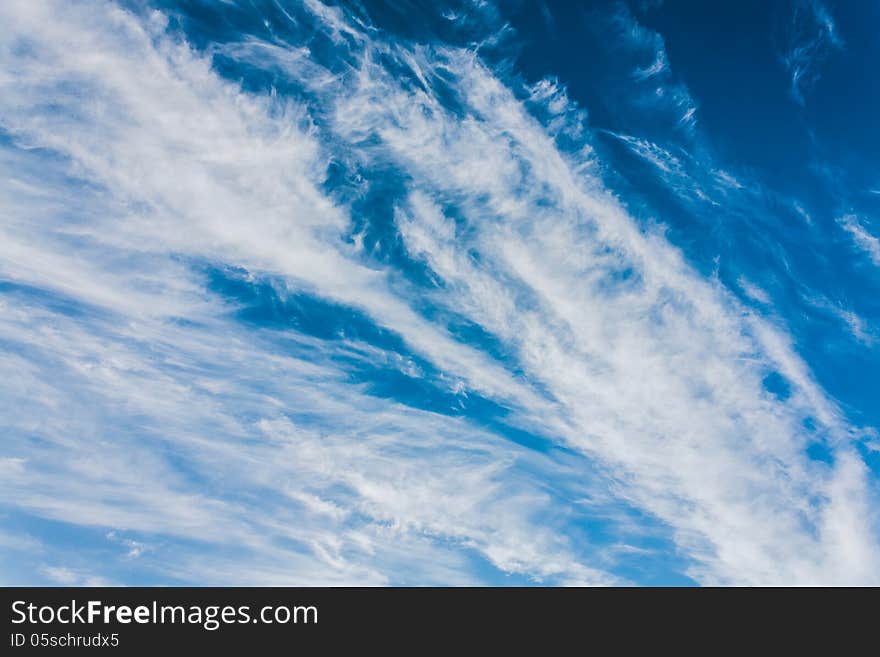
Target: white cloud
<point x="651" y="152"/>
<point x="649" y="375"/>
<point x="808" y="38"/>
<point x="753" y="292"/>
<point x="860" y="235"/>
<point x="661" y="89"/>
<point x="63" y="576"/>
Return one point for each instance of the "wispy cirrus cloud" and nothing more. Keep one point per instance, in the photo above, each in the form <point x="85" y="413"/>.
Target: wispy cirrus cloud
<point x="809" y="36"/>
<point x="660" y="87"/>
<point x="568" y="384"/>
<point x="862" y="238"/>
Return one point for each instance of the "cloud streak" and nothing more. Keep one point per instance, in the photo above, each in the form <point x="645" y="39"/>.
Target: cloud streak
<point x="809" y="37"/>
<point x="866" y="242"/>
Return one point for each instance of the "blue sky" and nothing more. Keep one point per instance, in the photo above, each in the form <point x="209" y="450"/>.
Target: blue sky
<point x="439" y="293"/>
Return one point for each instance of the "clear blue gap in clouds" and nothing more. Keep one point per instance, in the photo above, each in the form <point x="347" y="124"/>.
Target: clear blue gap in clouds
<point x="408" y="293"/>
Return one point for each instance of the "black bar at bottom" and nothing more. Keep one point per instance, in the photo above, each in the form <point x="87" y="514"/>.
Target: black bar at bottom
<point x="146" y="620"/>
